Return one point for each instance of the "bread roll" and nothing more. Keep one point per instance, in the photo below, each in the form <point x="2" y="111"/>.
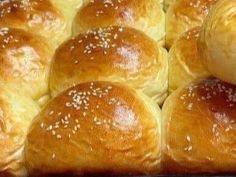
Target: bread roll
<point x="199" y="128"/>
<point x="217" y="42"/>
<point x="37" y="16"/>
<point x="146" y="16"/>
<point x="16" y="113"/>
<point x="95" y="128"/>
<point x="184" y="15"/>
<point x="115" y="53"/>
<point x="185" y="63"/>
<point x="25" y="61"/>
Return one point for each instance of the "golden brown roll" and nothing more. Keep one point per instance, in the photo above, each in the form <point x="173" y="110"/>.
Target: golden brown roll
<point x="185" y="64"/>
<point x="146" y="16"/>
<point x="24" y="61"/>
<point x="37" y="16"/>
<point x="184" y="15"/>
<point x="199" y="128"/>
<point x="16" y="113"/>
<point x="97" y="128"/>
<point x="217" y="42"/>
<point x="115" y="53"/>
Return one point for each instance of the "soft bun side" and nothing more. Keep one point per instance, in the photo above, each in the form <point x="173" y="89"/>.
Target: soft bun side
<point x="217" y="42"/>
<point x="185" y="63"/>
<point x="119" y="54"/>
<point x="69" y="9"/>
<point x="16" y="114"/>
<point x="199" y="128"/>
<point x="146" y="16"/>
<point x="184" y="15"/>
<point x="37" y="16"/>
<point x="95" y="128"/>
<point x="168" y="3"/>
<point x="25" y="61"/>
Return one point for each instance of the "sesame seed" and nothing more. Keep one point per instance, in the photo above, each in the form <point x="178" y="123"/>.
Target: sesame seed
<point x="98" y="123"/>
<point x="53" y="132"/>
<point x="59" y="136"/>
<point x="188" y="138"/>
<point x="51" y="112"/>
<point x="49" y="128"/>
<point x="190" y="106"/>
<point x="53" y="156"/>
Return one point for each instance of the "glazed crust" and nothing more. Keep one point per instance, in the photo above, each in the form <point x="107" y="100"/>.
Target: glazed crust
<point x="145" y="15"/>
<point x="96" y="127"/>
<point x="37" y="16"/>
<point x="24" y="61"/>
<point x="199" y="128"/>
<point x="185" y="62"/>
<point x="114" y="53"/>
<point x="183" y="15"/>
<point x="217" y="42"/>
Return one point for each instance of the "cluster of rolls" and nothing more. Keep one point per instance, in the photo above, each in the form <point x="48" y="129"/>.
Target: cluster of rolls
<point x="117" y="87"/>
<point x="199" y="116"/>
<point x="80" y="84"/>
